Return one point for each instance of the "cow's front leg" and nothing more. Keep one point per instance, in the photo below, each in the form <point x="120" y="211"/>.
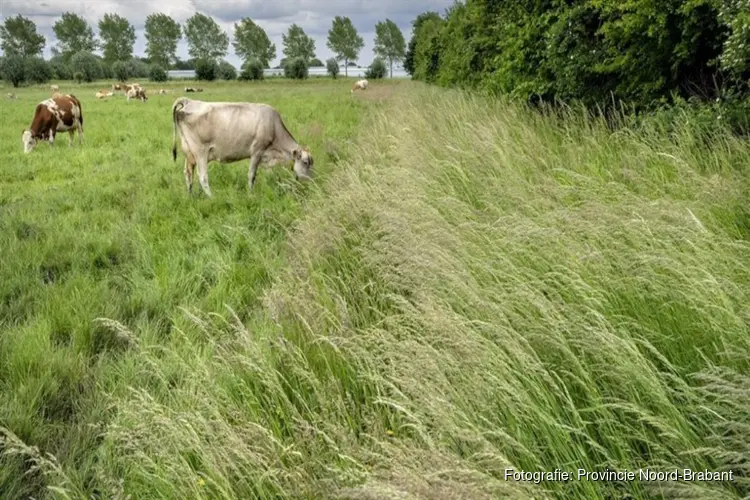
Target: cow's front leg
<point x="51" y="138"/>
<point x="71" y="133"/>
<point x="253" y="170"/>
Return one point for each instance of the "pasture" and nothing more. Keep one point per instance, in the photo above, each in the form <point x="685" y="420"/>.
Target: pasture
<point x="468" y="287"/>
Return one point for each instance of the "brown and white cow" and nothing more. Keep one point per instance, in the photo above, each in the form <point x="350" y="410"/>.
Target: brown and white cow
<point x="54" y="88"/>
<point x="61" y="113"/>
<point x="116" y="86"/>
<point x="137" y="93"/>
<point x="127" y="87"/>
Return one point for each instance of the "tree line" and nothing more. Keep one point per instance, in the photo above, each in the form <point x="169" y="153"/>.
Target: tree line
<point x="73" y="56"/>
<point x="643" y="52"/>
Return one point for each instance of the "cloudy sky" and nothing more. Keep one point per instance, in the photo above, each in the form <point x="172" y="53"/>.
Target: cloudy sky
<point x="275" y="16"/>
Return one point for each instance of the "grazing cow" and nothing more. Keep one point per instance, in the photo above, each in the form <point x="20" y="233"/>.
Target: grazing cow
<point x="109" y="94"/>
<point x="102" y="94"/>
<point x="164" y="91"/>
<point x="61" y="113"/>
<point x="10" y="96"/>
<point x="116" y="86"/>
<point x="54" y="88"/>
<point x="127" y="88"/>
<point x="137" y="93"/>
<point x="193" y="89"/>
<point x="232" y="131"/>
<point x="359" y="85"/>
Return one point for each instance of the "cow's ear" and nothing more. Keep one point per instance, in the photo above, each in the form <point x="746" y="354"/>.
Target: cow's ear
<point x="295" y="154"/>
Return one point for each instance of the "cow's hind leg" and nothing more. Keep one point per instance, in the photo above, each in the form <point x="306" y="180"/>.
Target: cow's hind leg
<point x="203" y="175"/>
<point x="189" y="169"/>
<point x="71" y="134"/>
<point x="253" y="170"/>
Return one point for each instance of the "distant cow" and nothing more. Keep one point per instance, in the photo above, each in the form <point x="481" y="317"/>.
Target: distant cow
<point x="116" y="86"/>
<point x="102" y="94"/>
<point x="232" y="131"/>
<point x="61" y="113"/>
<point x="359" y="85"/>
<point x="137" y="93"/>
<point x="193" y="89"/>
<point x="10" y="96"/>
<point x="54" y="88"/>
<point x="128" y="87"/>
<point x="164" y="91"/>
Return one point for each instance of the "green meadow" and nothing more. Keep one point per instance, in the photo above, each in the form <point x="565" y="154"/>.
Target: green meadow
<point x="467" y="287"/>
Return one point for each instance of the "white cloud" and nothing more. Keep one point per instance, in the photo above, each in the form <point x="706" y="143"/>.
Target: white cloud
<point x="275" y="17"/>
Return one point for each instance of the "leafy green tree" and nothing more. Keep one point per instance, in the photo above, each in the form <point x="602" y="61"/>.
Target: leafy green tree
<point x="121" y="70"/>
<point x="389" y="42"/>
<point x="252" y="42"/>
<point x="296" y="68"/>
<point x="87" y="65"/>
<point x="344" y="41"/>
<point x="118" y="37"/>
<point x="205" y="38"/>
<point x="162" y="35"/>
<point x="206" y="69"/>
<point x="252" y="70"/>
<point x="36" y="70"/>
<point x="297" y="44"/>
<point x="74" y="35"/>
<point x="226" y="71"/>
<point x="157" y="74"/>
<point x="412" y="47"/>
<point x="332" y="67"/>
<point x="735" y="15"/>
<point x="12" y="69"/>
<point x="376" y="70"/>
<point x="19" y="37"/>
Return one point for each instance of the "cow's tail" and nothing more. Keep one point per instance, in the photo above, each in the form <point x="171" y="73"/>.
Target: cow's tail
<point x="176" y="107"/>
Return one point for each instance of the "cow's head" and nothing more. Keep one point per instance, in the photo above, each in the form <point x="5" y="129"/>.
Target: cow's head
<point x="303" y="163"/>
<point x="29" y="141"/>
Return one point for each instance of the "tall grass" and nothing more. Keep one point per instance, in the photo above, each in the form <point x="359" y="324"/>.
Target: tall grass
<point x="473" y="288"/>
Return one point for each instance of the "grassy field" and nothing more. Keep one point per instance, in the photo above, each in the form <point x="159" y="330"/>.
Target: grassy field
<point x="466" y="288"/>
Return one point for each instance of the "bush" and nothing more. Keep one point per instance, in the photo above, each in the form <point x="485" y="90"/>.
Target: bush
<point x="226" y="71"/>
<point x="157" y="74"/>
<point x="87" y="65"/>
<point x="37" y="70"/>
<point x="252" y="70"/>
<point x="376" y="70"/>
<point x="121" y="71"/>
<point x="315" y="63"/>
<point x="78" y="77"/>
<point x="12" y="68"/>
<point x="60" y="69"/>
<point x="138" y="69"/>
<point x="332" y="66"/>
<point x="205" y="69"/>
<point x="296" y="68"/>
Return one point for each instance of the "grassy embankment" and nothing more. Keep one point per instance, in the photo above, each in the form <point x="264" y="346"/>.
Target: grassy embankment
<point x="469" y="288"/>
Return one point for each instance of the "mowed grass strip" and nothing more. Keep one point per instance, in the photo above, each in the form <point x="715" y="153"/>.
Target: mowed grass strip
<point x="472" y="288"/>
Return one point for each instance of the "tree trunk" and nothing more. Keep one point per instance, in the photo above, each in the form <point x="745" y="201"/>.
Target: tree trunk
<point x="346" y="67"/>
<point x="391" y="68"/>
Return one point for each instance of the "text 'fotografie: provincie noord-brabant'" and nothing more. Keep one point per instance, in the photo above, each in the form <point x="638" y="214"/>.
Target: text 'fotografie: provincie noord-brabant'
<point x="618" y="475"/>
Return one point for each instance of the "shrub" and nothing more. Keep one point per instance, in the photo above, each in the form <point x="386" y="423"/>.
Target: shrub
<point x="78" y="77"/>
<point x="296" y="68"/>
<point x="205" y="69"/>
<point x="332" y="66"/>
<point x="252" y="70"/>
<point x="87" y="65"/>
<point x="60" y="69"/>
<point x="121" y="71"/>
<point x="376" y="70"/>
<point x="157" y="74"/>
<point x="12" y="69"/>
<point x="138" y="69"/>
<point x="37" y="70"/>
<point x="315" y="63"/>
<point x="226" y="71"/>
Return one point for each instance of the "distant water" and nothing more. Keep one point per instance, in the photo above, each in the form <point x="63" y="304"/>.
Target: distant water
<point x="355" y="72"/>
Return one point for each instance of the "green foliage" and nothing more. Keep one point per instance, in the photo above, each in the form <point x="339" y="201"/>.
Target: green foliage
<point x="252" y="42"/>
<point x="297" y="44"/>
<point x="60" y="68"/>
<point x="226" y="71"/>
<point x="252" y="70"/>
<point x="595" y="51"/>
<point x="332" y="67"/>
<point x="87" y="65"/>
<point x="36" y="70"/>
<point x="20" y="38"/>
<point x="205" y="38"/>
<point x="138" y="68"/>
<point x="118" y="37"/>
<point x="78" y="77"/>
<point x="162" y="35"/>
<point x="74" y="35"/>
<point x="13" y="69"/>
<point x="315" y="63"/>
<point x="389" y="42"/>
<point x="376" y="70"/>
<point x="121" y="70"/>
<point x="344" y="41"/>
<point x="157" y="74"/>
<point x="206" y="69"/>
<point x="296" y="68"/>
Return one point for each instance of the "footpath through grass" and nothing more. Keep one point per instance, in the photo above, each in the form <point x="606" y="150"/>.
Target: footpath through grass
<point x="471" y="288"/>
